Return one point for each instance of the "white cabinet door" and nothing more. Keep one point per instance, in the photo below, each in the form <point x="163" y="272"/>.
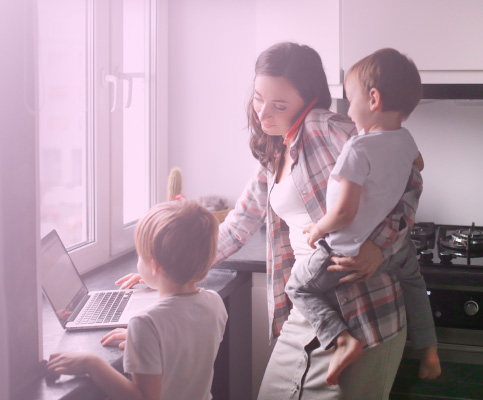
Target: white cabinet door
<point x="439" y="35"/>
<point x="311" y="22"/>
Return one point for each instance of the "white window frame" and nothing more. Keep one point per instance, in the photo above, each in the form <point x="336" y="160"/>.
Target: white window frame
<point x="111" y="238"/>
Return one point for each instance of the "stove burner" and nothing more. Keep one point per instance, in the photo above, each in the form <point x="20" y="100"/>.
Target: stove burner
<point x="422" y="234"/>
<point x="462" y="236"/>
<point x="420" y="246"/>
<point x="419" y="230"/>
<point x="464" y="239"/>
<point x="466" y="242"/>
<point x="423" y="229"/>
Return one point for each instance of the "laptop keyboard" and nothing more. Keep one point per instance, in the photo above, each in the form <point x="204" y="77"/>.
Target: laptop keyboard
<point x="105" y="307"/>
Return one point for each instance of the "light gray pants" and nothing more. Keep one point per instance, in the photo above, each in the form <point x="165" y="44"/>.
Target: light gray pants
<point x="298" y="367"/>
<point x="310" y="282"/>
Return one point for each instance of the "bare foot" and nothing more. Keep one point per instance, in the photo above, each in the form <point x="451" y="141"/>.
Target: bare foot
<point x="348" y="349"/>
<point x="430" y="367"/>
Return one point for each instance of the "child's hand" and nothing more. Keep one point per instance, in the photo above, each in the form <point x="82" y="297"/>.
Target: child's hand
<point x="70" y="363"/>
<point x="112" y="336"/>
<point x="129" y="280"/>
<point x="314" y="234"/>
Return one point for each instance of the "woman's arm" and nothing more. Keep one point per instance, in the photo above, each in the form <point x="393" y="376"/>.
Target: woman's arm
<point x="112" y="382"/>
<point x="246" y="218"/>
<point x="419" y="162"/>
<point x="240" y="224"/>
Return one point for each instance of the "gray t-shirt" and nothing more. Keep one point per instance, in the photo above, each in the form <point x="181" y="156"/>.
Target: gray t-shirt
<point x="179" y="338"/>
<point x="381" y="163"/>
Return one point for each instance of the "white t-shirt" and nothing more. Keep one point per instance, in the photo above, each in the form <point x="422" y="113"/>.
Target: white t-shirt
<point x="179" y="338"/>
<point x="381" y="163"/>
<point x="288" y="205"/>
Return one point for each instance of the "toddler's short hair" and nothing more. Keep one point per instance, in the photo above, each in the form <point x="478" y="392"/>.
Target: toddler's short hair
<point x="394" y="75"/>
<point x="181" y="236"/>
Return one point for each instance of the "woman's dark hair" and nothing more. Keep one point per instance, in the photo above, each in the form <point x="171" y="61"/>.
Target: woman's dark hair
<point x="302" y="67"/>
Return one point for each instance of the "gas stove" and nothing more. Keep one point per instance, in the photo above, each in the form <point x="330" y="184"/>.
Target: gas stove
<point x="448" y="245"/>
<point x="451" y="260"/>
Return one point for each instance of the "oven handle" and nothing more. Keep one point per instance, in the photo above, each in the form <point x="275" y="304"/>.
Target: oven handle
<point x="460" y="347"/>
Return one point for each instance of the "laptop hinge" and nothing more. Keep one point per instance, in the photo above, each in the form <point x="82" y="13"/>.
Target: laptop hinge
<point x="78" y="309"/>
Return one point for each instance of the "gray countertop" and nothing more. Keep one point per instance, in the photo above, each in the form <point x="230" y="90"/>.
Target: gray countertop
<point x="252" y="258"/>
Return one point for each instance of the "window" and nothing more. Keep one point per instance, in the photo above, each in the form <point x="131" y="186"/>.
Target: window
<point x="63" y="120"/>
<point x="101" y="152"/>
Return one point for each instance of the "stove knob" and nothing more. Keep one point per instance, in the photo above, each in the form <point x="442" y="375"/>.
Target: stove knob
<point x="471" y="307"/>
<point x="426" y="257"/>
<point x="446" y="257"/>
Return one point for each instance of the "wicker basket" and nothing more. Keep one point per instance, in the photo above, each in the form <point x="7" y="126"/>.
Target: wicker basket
<point x="221" y="215"/>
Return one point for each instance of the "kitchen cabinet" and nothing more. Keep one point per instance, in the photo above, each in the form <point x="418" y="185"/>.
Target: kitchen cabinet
<point x="251" y="259"/>
<point x="261" y="346"/>
<point x="442" y="37"/>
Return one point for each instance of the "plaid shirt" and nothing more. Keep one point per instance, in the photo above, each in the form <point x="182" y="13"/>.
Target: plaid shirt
<point x="374" y="310"/>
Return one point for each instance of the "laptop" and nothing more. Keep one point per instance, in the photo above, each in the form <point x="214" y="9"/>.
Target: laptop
<point x="76" y="307"/>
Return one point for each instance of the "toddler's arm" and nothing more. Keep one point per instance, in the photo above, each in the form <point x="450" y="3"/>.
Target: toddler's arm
<point x="341" y="214"/>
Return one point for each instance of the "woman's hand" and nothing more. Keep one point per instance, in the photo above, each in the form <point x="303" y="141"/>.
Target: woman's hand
<point x="114" y="335"/>
<point x="70" y="364"/>
<point x="365" y="264"/>
<point x="129" y="280"/>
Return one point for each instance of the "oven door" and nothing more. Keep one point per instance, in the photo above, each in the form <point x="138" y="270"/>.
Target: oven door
<point x="460" y="351"/>
<point x="461" y="376"/>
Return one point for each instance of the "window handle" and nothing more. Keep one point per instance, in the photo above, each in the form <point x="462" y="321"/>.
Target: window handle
<point x="128" y="76"/>
<point x="112" y="79"/>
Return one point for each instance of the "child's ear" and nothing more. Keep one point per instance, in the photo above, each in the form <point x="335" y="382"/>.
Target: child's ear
<point x="155" y="267"/>
<point x="375" y="99"/>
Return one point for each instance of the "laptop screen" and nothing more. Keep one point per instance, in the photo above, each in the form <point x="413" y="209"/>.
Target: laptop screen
<point x="60" y="280"/>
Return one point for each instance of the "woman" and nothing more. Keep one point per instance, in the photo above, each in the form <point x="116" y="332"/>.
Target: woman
<point x="297" y="140"/>
<point x="289" y="191"/>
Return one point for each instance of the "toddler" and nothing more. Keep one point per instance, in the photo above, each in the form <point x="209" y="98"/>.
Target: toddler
<point x="366" y="183"/>
<point x="170" y="347"/>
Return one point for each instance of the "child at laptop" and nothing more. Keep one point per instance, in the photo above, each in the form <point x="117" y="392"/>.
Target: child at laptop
<point x="367" y="181"/>
<point x="170" y="347"/>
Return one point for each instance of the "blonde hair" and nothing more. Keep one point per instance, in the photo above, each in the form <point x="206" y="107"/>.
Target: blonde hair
<point x="181" y="236"/>
<point x="394" y="75"/>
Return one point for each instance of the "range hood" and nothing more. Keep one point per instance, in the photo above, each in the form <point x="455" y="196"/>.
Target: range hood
<point x="466" y="91"/>
<point x="444" y="85"/>
<point x="434" y="91"/>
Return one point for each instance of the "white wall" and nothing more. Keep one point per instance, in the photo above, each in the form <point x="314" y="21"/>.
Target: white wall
<point x="213" y="46"/>
<point x="212" y="51"/>
<point x="211" y="59"/>
<point x="311" y="22"/>
<point x="449" y="134"/>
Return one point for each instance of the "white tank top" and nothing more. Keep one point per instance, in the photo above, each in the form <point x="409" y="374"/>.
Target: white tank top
<point x="286" y="203"/>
